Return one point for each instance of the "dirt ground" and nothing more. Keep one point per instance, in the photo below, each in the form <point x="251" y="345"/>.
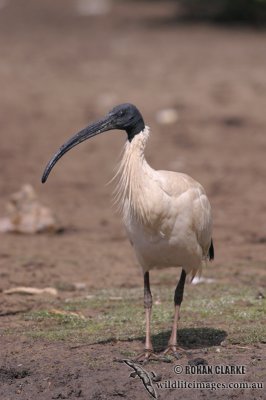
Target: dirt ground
<point x="59" y="71"/>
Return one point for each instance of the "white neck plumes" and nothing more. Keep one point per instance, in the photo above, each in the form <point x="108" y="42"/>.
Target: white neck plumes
<point x="133" y="171"/>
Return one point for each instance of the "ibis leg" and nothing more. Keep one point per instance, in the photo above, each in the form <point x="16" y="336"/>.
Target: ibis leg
<point x="148" y="307"/>
<point x="172" y="344"/>
<point x="148" y="350"/>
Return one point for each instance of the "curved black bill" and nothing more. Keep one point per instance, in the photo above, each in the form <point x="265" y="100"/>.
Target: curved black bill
<point x="92" y="130"/>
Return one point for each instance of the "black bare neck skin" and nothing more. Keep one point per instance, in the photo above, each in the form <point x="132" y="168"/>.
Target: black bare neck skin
<point x="135" y="130"/>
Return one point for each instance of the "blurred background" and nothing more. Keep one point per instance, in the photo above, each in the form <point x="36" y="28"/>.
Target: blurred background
<point x="195" y="69"/>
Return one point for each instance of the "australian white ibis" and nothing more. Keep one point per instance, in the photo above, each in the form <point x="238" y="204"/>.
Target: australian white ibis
<point x="167" y="214"/>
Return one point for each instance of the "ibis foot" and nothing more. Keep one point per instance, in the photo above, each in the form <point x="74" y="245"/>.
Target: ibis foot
<point x="146" y="356"/>
<point x="149" y="355"/>
<point x="172" y="350"/>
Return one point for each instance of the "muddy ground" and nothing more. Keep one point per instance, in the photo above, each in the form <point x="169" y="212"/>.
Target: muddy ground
<point x="60" y="70"/>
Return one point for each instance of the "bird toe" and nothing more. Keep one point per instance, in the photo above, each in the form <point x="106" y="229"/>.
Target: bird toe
<point x="172" y="350"/>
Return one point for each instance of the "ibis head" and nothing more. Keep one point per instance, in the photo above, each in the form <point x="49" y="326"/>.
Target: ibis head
<point x="124" y="117"/>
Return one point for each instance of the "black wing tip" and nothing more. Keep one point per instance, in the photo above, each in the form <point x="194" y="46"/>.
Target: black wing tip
<point x="211" y="251"/>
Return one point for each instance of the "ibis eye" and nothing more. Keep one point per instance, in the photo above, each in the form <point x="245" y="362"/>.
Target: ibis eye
<point x="121" y="113"/>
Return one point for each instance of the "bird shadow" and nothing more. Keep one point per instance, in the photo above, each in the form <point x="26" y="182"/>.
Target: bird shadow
<point x="187" y="338"/>
<point x="191" y="338"/>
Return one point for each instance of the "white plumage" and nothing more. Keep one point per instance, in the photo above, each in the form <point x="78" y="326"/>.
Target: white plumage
<point x="167" y="214"/>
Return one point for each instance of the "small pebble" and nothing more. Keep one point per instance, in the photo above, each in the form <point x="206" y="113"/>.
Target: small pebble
<point x="79" y="286"/>
<point x="198" y="361"/>
<point x="93" y="7"/>
<point x="167" y="116"/>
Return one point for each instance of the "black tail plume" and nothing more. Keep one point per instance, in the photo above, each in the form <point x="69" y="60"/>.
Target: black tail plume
<point x="211" y="251"/>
